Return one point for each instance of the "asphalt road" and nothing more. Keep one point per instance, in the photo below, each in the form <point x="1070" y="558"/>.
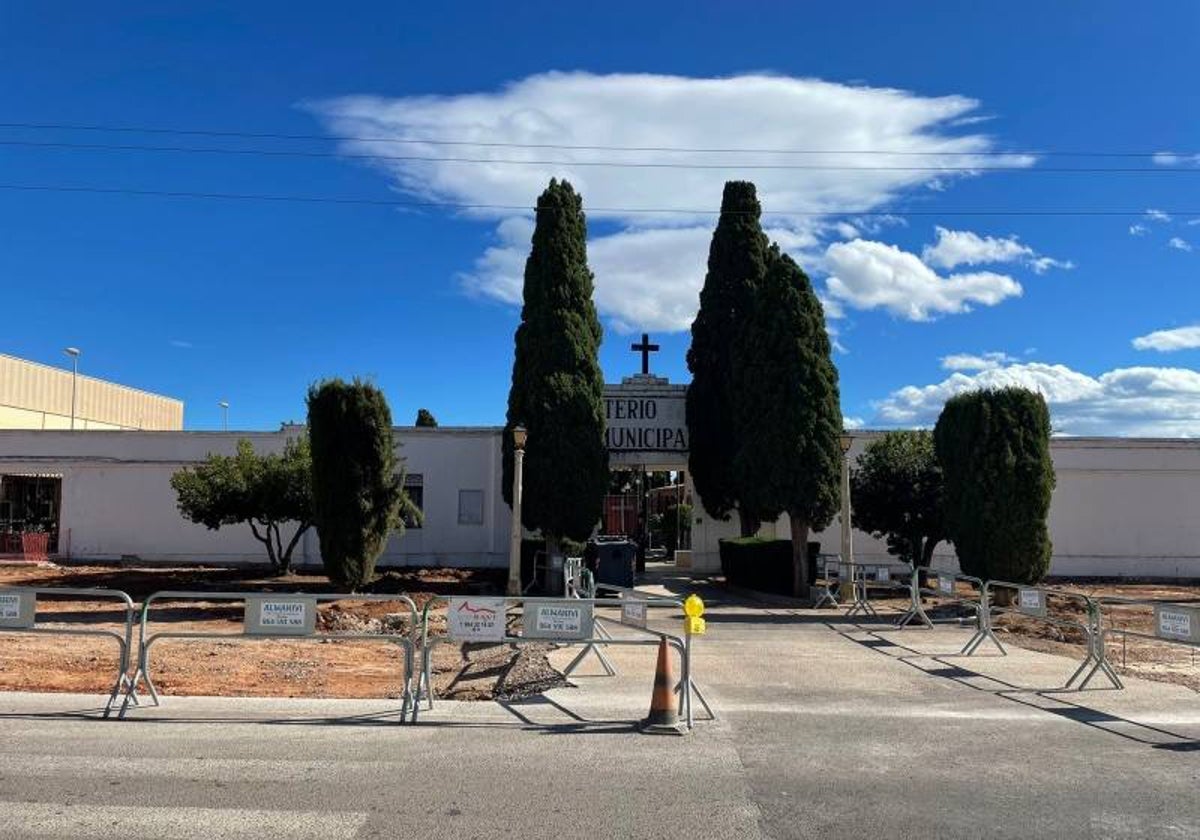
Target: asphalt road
<point x="826" y="729"/>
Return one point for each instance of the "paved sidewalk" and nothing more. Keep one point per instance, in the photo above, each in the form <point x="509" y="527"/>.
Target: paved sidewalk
<point x="828" y="728"/>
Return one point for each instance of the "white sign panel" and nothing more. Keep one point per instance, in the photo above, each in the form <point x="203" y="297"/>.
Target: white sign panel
<point x="946" y="584"/>
<point x="882" y="575"/>
<point x="283" y="615"/>
<point x="1031" y="601"/>
<point x="17" y="608"/>
<point x="645" y="418"/>
<point x="557" y="620"/>
<point x="476" y="619"/>
<point x="633" y="613"/>
<point x="1181" y="623"/>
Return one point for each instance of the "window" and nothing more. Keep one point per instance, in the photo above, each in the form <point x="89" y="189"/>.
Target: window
<point x="414" y="488"/>
<point x="470" y="507"/>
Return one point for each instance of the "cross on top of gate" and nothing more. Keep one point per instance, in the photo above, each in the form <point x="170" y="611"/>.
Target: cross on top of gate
<point x="645" y="348"/>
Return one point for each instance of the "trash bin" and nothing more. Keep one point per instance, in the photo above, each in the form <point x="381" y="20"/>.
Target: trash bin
<point x="612" y="560"/>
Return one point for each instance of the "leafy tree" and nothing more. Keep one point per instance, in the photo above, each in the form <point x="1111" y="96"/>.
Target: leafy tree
<point x="672" y="526"/>
<point x="425" y="419"/>
<point x="557" y="386"/>
<point x="264" y="491"/>
<point x="358" y="489"/>
<point x="897" y="491"/>
<point x="787" y="413"/>
<point x="994" y="449"/>
<point x="737" y="261"/>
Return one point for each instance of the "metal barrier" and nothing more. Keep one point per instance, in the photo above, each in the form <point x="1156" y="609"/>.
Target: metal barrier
<point x="563" y="621"/>
<point x="863" y="575"/>
<point x="947" y="589"/>
<point x="271" y="615"/>
<point x="18" y="614"/>
<point x="1032" y="602"/>
<point x="1173" y="623"/>
<point x="828" y="580"/>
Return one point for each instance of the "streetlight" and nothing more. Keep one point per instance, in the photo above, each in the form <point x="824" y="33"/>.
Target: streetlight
<point x="846" y="588"/>
<point x="519" y="436"/>
<point x="224" y="415"/>
<point x="73" y="352"/>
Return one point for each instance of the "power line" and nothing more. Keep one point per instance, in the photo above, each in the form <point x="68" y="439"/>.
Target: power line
<point x="810" y="167"/>
<point x="677" y="211"/>
<point x="432" y="141"/>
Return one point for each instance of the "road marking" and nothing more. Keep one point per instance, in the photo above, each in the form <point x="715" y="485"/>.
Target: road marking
<point x="193" y="769"/>
<point x="119" y="822"/>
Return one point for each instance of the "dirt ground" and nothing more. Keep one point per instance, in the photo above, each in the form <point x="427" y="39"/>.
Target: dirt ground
<point x="243" y="666"/>
<point x="1131" y="655"/>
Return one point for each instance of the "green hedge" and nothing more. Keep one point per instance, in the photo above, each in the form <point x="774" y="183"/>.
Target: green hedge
<point x="762" y="564"/>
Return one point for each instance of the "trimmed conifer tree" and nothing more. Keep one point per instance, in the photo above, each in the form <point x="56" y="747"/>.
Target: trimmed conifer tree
<point x="357" y="489"/>
<point x="425" y="419"/>
<point x="787" y="413"/>
<point x="557" y="390"/>
<point x="994" y="449"/>
<point x="736" y="267"/>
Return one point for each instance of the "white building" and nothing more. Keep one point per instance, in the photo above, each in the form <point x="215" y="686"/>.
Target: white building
<point x="1121" y="506"/>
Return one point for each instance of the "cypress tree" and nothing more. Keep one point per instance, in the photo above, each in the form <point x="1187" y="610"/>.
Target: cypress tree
<point x="425" y="419"/>
<point x="557" y="388"/>
<point x="994" y="448"/>
<point x="736" y="267"/>
<point x="357" y="489"/>
<point x="787" y="413"/>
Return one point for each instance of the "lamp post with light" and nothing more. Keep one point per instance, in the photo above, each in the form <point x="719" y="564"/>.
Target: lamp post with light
<point x="846" y="585"/>
<point x="224" y="405"/>
<point x="73" y="352"/>
<point x="519" y="436"/>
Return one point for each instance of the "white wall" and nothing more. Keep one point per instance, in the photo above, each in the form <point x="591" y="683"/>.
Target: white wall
<point x="117" y="499"/>
<point x="1122" y="507"/>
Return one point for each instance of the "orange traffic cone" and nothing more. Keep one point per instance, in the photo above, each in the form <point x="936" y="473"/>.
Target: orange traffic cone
<point x="663" y="719"/>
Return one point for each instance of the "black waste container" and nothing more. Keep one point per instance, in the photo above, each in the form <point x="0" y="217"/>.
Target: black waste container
<point x="612" y="561"/>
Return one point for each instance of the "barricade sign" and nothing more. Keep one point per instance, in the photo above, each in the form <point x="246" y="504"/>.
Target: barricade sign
<point x="17" y="608"/>
<point x="633" y="612"/>
<point x="946" y="584"/>
<point x="1172" y="621"/>
<point x="557" y="620"/>
<point x="882" y="575"/>
<point x="18" y="614"/>
<point x="1031" y="602"/>
<point x="476" y="619"/>
<point x="272" y="615"/>
<point x="281" y="615"/>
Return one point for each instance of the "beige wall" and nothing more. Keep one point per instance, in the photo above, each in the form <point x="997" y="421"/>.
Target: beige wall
<point x="35" y="396"/>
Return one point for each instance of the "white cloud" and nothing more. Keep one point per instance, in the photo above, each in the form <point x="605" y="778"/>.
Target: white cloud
<point x="1137" y="401"/>
<point x="1174" y="159"/>
<point x="875" y="275"/>
<point x="1138" y="230"/>
<point x="970" y="361"/>
<point x="846" y="230"/>
<point x="1158" y="215"/>
<point x="1192" y="222"/>
<point x="1167" y="341"/>
<point x="1179" y="244"/>
<point x="852" y="422"/>
<point x="181" y="344"/>
<point x="963" y="247"/>
<point x="660" y="253"/>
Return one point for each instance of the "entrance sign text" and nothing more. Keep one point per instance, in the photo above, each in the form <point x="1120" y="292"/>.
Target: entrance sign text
<point x="645" y="417"/>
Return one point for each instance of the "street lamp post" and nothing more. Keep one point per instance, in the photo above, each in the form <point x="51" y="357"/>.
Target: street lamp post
<point x="224" y="415"/>
<point x="514" y="547"/>
<point x="846" y="586"/>
<point x="73" y="352"/>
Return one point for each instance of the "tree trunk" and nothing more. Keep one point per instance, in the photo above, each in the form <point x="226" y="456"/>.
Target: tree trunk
<point x="265" y="539"/>
<point x="286" y="556"/>
<point x="800" y="558"/>
<point x="749" y="525"/>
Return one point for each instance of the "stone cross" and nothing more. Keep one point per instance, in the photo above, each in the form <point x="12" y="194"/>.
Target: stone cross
<point x="645" y="348"/>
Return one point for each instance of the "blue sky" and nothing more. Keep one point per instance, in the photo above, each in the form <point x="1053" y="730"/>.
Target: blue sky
<point x="251" y="301"/>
